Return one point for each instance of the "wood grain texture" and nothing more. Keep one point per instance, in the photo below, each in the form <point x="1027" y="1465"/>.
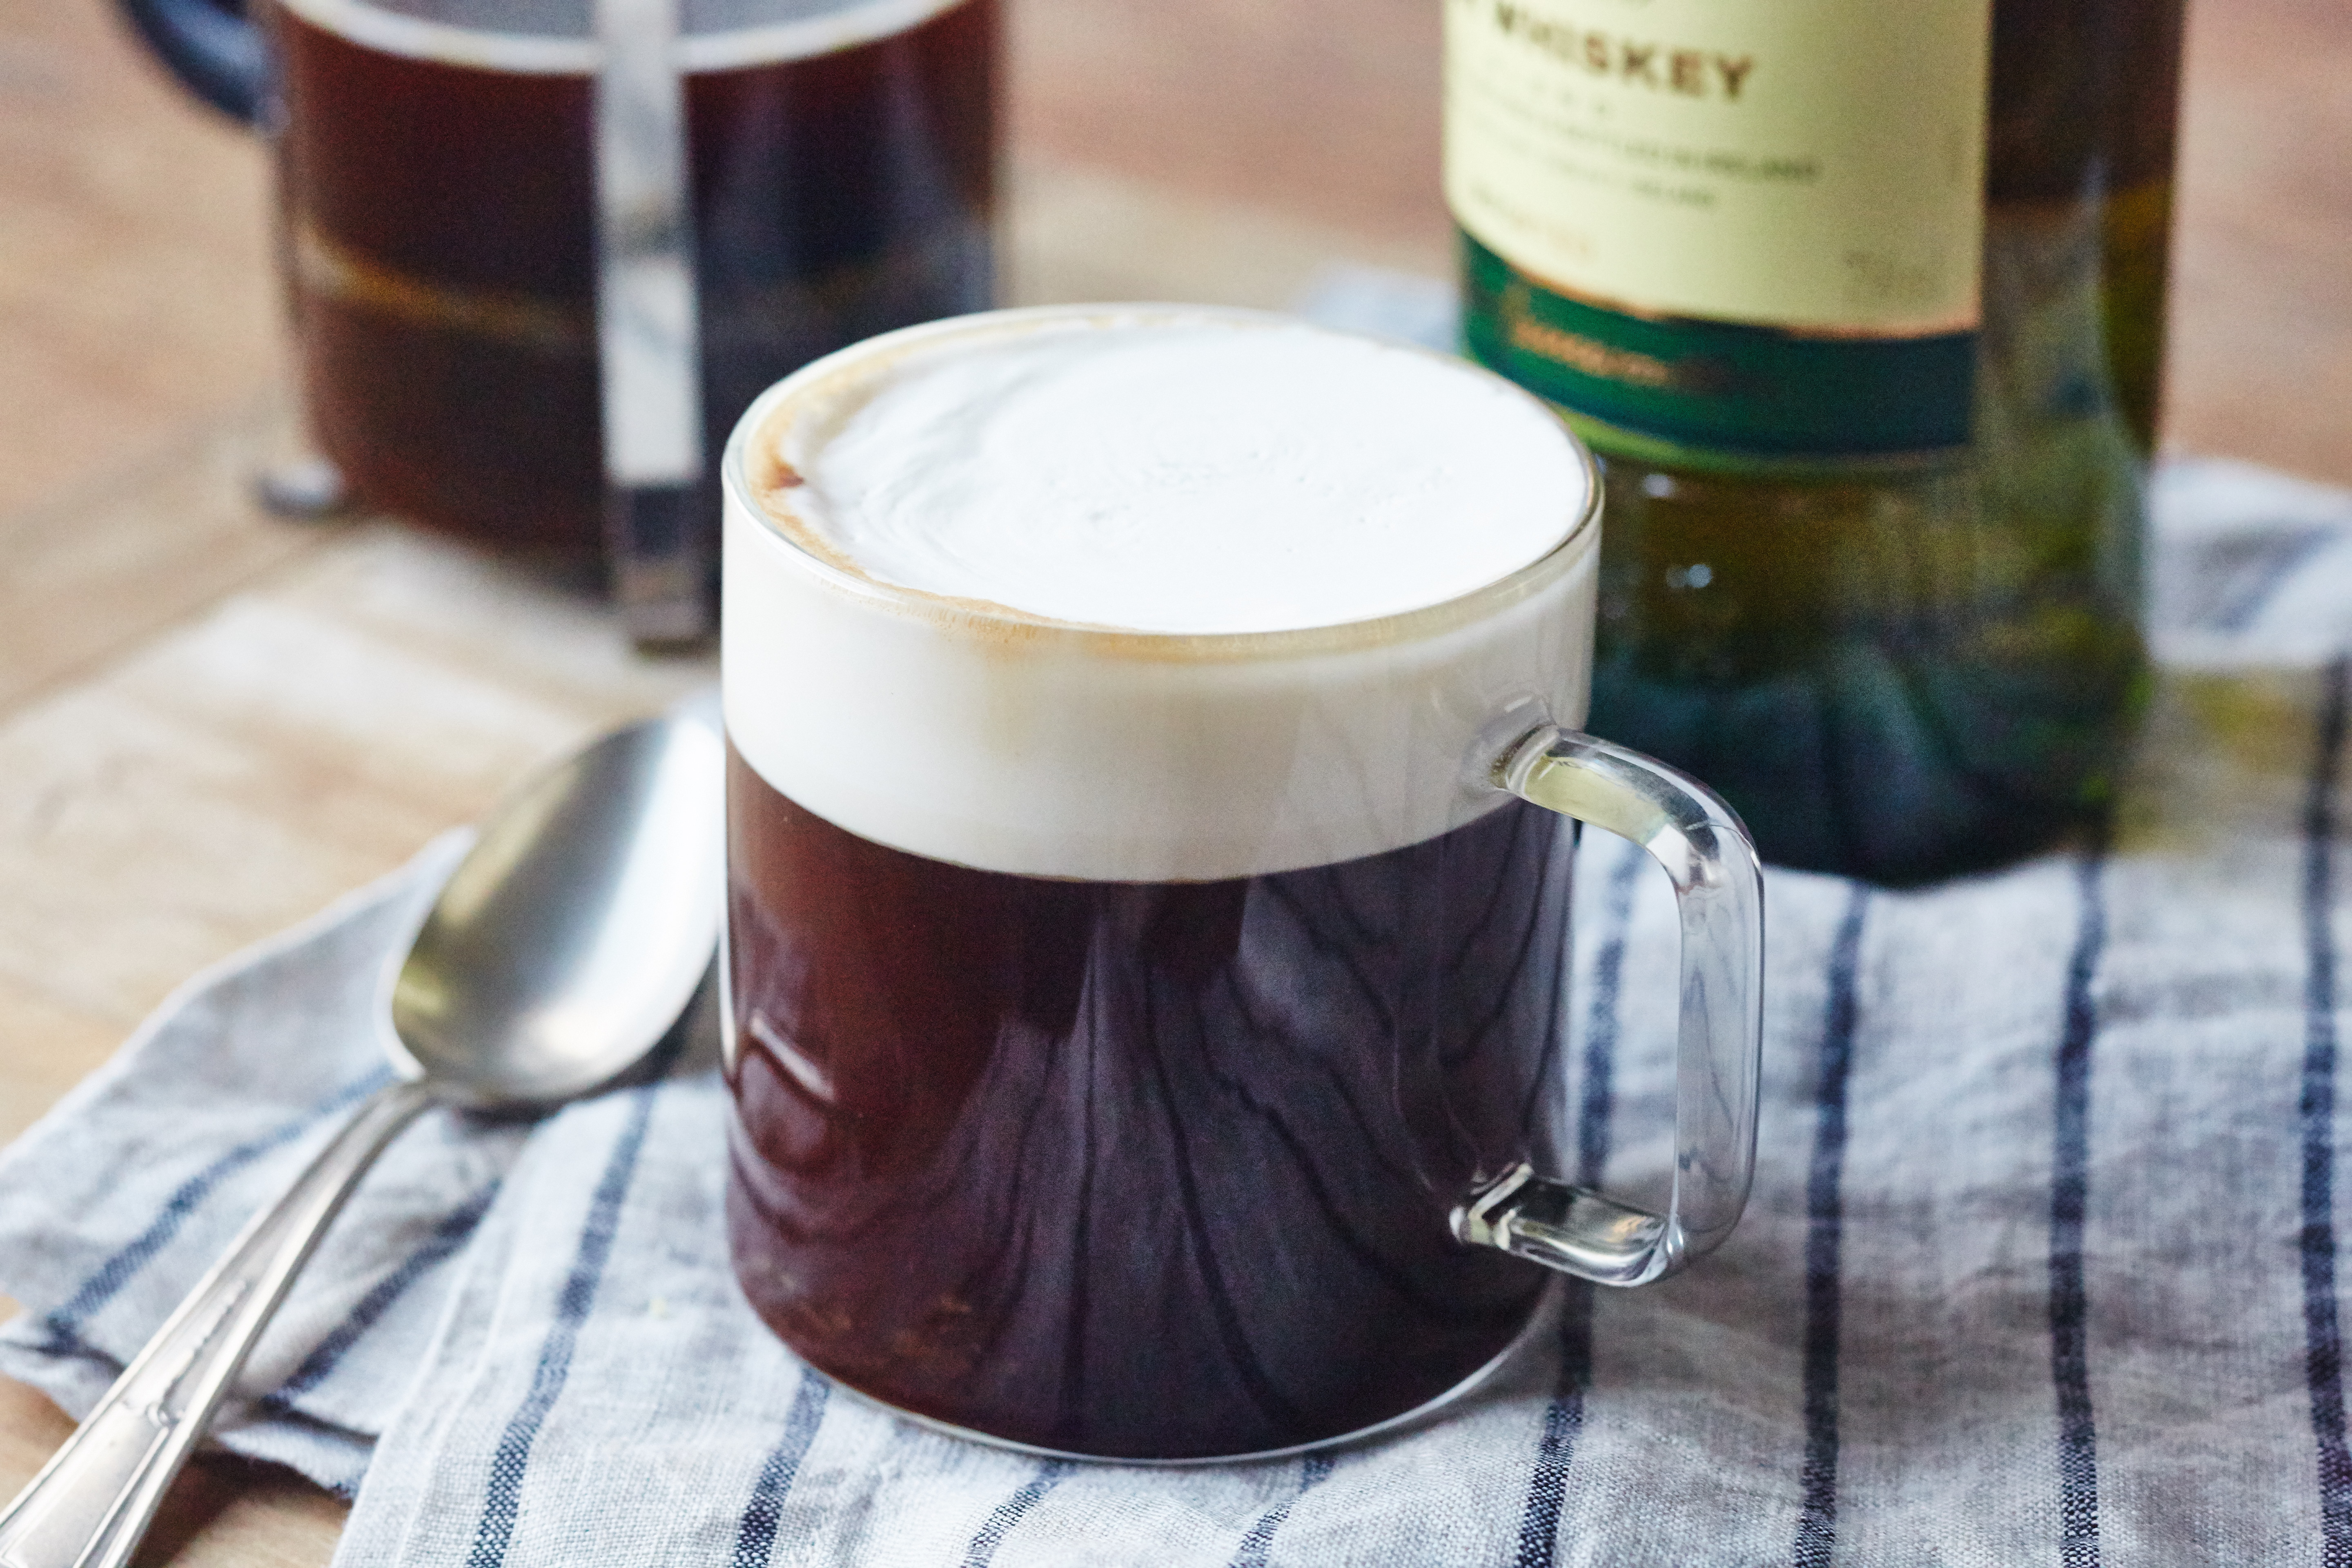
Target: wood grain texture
<point x="136" y="548"/>
<point x="297" y="738"/>
<point x="2261" y="307"/>
<point x="1081" y="233"/>
<point x="45" y="1047"/>
<point x="136" y="289"/>
<point x="1323" y="110"/>
<point x="222" y="1513"/>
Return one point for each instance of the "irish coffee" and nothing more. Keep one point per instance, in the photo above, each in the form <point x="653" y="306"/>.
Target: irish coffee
<point x="439" y="230"/>
<point x="1147" y="1170"/>
<point x="1130" y="968"/>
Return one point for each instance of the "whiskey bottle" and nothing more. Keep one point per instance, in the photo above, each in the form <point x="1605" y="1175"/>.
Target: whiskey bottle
<point x="1861" y="306"/>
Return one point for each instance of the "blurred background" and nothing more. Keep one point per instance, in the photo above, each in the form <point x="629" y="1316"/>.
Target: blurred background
<point x="1201" y="148"/>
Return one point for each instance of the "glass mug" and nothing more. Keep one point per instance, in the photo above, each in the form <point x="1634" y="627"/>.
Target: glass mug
<point x="1149" y="1047"/>
<point x="534" y="278"/>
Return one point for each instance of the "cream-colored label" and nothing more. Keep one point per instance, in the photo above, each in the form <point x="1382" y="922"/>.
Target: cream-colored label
<point x="1815" y="165"/>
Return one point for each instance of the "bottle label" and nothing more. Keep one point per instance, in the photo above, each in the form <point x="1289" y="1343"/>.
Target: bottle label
<point x="1751" y="226"/>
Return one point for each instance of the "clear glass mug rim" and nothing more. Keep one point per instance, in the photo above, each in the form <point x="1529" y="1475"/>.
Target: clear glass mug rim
<point x="1405" y="626"/>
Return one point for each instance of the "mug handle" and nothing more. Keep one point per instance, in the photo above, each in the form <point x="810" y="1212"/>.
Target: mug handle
<point x="211" y="45"/>
<point x="1719" y="894"/>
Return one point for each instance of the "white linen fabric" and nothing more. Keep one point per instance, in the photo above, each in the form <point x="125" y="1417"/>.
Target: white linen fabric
<point x="2041" y="1265"/>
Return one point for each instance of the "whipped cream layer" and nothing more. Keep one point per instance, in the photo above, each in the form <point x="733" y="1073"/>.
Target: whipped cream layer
<point x="1048" y="742"/>
<point x="1176" y="473"/>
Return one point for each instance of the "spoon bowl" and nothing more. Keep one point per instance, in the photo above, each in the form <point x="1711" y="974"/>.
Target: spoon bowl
<point x="560" y="952"/>
<point x="574" y="932"/>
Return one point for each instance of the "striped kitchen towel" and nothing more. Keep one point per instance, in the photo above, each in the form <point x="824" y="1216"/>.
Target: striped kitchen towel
<point x="2041" y="1265"/>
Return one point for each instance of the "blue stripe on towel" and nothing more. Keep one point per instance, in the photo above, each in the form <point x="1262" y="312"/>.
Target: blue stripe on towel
<point x="2323" y="1334"/>
<point x="755" y="1536"/>
<point x="1824" y="1207"/>
<point x="1564" y="1416"/>
<point x="1563" y="1422"/>
<point x="447" y="1238"/>
<point x="2070" y="1368"/>
<point x="1258" y="1544"/>
<point x="1012" y="1510"/>
<point x="503" y="1497"/>
<point x="1598" y="1101"/>
<point x="63" y="1326"/>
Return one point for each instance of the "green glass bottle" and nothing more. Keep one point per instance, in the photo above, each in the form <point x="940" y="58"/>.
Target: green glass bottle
<point x="1862" y="307"/>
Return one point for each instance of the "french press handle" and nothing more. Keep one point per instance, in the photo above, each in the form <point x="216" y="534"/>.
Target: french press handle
<point x="211" y="45"/>
<point x="1719" y="894"/>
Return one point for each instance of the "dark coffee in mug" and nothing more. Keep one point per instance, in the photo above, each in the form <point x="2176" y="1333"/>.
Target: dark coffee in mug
<point x="1125" y="986"/>
<point x="1142" y="1168"/>
<point x="437" y="203"/>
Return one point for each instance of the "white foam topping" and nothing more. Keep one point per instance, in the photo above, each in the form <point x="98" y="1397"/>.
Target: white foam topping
<point x="1150" y="470"/>
<point x="1181" y="473"/>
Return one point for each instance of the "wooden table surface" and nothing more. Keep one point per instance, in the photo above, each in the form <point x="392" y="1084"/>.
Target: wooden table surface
<point x="212" y="722"/>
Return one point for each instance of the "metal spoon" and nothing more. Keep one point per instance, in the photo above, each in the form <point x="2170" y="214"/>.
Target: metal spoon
<point x="564" y="948"/>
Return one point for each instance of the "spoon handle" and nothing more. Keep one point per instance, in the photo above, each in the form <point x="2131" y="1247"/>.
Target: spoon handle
<point x="93" y="1500"/>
